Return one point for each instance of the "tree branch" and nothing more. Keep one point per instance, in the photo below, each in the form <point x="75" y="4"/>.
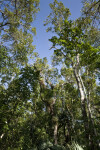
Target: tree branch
<point x="2" y="25"/>
<point x="62" y="54"/>
<point x="93" y="5"/>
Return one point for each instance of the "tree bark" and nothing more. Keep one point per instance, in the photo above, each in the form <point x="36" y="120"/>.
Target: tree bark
<point x="83" y="98"/>
<point x="90" y="131"/>
<point x="83" y="105"/>
<point x="55" y="133"/>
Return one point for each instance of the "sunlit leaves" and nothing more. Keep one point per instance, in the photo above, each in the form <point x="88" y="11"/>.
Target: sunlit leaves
<point x="17" y="32"/>
<point x="57" y="16"/>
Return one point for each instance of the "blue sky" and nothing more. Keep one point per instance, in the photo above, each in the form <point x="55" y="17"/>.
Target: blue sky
<point x="41" y="39"/>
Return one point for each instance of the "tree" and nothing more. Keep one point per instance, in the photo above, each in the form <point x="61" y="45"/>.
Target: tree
<point x="16" y="34"/>
<point x="91" y="10"/>
<point x="77" y="53"/>
<point x="89" y="21"/>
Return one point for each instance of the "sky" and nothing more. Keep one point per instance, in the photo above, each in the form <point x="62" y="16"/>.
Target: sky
<point x="41" y="38"/>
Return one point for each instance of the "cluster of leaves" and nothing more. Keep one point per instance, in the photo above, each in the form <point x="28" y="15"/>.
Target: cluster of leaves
<point x="16" y="33"/>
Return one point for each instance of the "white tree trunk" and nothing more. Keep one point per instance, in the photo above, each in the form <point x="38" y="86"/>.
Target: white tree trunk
<point x="55" y="133"/>
<point x="84" y="100"/>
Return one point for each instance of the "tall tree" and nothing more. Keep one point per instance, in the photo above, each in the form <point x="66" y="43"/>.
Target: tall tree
<point x="77" y="53"/>
<point x="16" y="32"/>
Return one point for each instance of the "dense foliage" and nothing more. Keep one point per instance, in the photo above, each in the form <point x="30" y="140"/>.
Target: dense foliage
<point x="42" y="107"/>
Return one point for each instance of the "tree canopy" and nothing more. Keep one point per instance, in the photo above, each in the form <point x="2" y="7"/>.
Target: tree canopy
<point x="43" y="107"/>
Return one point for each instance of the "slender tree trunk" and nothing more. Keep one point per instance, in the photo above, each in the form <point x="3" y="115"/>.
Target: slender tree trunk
<point x="54" y="122"/>
<point x="83" y="97"/>
<point x="83" y="105"/>
<point x="55" y="133"/>
<point x="87" y="117"/>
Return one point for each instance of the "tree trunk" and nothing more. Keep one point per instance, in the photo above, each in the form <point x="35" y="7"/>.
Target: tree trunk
<point x="83" y="98"/>
<point x="90" y="130"/>
<point x="55" y="133"/>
